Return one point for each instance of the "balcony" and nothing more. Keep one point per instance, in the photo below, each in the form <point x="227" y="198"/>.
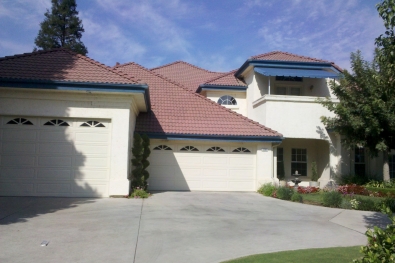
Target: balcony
<point x="293" y="116"/>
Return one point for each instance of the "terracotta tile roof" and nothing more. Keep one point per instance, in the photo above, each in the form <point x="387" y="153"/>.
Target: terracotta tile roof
<point x="186" y="74"/>
<point x="60" y="65"/>
<point x="226" y="79"/>
<point x="177" y="110"/>
<point x="285" y="56"/>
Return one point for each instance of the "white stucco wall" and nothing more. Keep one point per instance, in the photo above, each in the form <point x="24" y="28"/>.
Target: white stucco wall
<point x="117" y="108"/>
<point x="240" y="97"/>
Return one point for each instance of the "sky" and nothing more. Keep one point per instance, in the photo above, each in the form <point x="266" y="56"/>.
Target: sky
<point x="215" y="35"/>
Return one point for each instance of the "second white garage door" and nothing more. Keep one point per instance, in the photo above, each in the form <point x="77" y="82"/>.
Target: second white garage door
<point x="201" y="167"/>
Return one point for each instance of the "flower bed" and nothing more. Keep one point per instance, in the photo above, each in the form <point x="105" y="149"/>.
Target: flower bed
<point x="308" y="189"/>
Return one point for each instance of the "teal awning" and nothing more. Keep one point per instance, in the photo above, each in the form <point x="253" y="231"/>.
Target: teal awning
<point x="292" y="72"/>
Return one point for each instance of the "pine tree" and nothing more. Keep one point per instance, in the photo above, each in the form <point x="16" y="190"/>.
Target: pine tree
<point x="61" y="28"/>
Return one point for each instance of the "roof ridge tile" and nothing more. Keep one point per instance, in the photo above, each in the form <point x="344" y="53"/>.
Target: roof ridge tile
<point x="186" y="63"/>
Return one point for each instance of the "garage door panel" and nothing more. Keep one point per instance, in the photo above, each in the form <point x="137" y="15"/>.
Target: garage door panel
<point x="18" y="147"/>
<point x="218" y="185"/>
<point x="163" y="159"/>
<point x="161" y="171"/>
<point x="16" y="173"/>
<point x="190" y="172"/>
<point x="16" y="188"/>
<point x="91" y="137"/>
<point x="91" y="174"/>
<point x="17" y="160"/>
<point x="54" y="174"/>
<point x="91" y="149"/>
<point x="215" y="160"/>
<point x="161" y="184"/>
<point x="246" y="174"/>
<point x="188" y="159"/>
<point x="240" y="160"/>
<point x="189" y="185"/>
<point x="241" y="185"/>
<point x="56" y="148"/>
<point x="54" y="161"/>
<point x="90" y="161"/>
<point x="19" y="136"/>
<point x="82" y="188"/>
<point x="53" y="188"/>
<point x="215" y="173"/>
<point x="52" y="136"/>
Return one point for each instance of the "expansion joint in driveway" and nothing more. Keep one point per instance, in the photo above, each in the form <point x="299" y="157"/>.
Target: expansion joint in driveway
<point x="138" y="232"/>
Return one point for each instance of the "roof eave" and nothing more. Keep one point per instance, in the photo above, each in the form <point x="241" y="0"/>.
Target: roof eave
<point x="79" y="86"/>
<point x="208" y="137"/>
<point x="220" y="87"/>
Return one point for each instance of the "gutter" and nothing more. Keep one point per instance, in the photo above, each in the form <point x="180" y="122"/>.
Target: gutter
<point x="78" y="86"/>
<point x="227" y="138"/>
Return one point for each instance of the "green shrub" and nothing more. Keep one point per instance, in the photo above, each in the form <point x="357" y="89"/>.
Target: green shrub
<point x="267" y="189"/>
<point x="314" y="172"/>
<point x="390" y="203"/>
<point x="296" y="197"/>
<point x="367" y="204"/>
<point x="346" y="204"/>
<point x="139" y="193"/>
<point x="332" y="199"/>
<point x="381" y="242"/>
<point x="284" y="193"/>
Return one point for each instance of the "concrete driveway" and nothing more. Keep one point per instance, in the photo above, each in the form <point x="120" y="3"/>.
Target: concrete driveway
<point x="170" y="227"/>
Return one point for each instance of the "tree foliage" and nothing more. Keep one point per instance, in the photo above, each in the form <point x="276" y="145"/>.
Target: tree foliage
<point x="365" y="115"/>
<point x="141" y="152"/>
<point x="61" y="28"/>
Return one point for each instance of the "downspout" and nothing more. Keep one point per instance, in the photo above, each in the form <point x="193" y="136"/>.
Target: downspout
<point x="269" y="84"/>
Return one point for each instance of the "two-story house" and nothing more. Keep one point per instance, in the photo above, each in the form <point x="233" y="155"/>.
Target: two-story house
<point x="67" y="124"/>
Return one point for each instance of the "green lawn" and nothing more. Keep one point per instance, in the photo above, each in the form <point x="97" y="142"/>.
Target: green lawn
<point x="314" y="199"/>
<point x="319" y="255"/>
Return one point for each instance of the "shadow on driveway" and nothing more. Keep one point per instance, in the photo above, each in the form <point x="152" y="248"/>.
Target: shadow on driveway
<point x="20" y="209"/>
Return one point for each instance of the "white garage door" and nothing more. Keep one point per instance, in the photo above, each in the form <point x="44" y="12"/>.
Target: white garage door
<point x="54" y="157"/>
<point x="206" y="168"/>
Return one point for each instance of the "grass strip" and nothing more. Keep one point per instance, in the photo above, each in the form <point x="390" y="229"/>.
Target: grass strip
<point x="315" y="255"/>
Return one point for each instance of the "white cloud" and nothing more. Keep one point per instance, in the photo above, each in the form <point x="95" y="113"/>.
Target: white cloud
<point x="24" y="12"/>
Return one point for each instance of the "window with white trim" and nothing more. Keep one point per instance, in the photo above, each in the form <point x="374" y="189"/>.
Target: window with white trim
<point x="227" y="100"/>
<point x="299" y="162"/>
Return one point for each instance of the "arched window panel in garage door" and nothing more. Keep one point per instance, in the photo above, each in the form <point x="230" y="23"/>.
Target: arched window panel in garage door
<point x="241" y="150"/>
<point x="56" y="122"/>
<point x="215" y="149"/>
<point x="189" y="149"/>
<point x="162" y="147"/>
<point x="20" y="121"/>
<point x="93" y="124"/>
